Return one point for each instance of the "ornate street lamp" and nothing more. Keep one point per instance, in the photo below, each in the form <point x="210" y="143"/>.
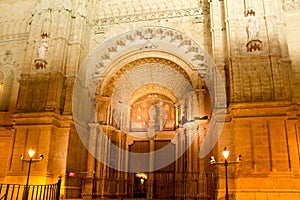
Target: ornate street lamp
<point x="31" y="153"/>
<point x="225" y="153"/>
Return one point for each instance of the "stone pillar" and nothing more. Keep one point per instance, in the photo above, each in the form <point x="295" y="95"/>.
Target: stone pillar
<point x="219" y="41"/>
<point x="99" y="166"/>
<point x="88" y="187"/>
<point x="150" y="180"/>
<point x="102" y="104"/>
<point x="201" y="94"/>
<point x="176" y="108"/>
<point x="217" y="29"/>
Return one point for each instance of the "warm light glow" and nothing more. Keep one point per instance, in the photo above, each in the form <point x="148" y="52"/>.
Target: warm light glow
<point x="225" y="153"/>
<point x="31" y="153"/>
<point x="141" y="175"/>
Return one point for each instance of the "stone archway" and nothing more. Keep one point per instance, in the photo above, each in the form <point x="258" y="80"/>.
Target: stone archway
<point x="101" y="77"/>
<point x="146" y="41"/>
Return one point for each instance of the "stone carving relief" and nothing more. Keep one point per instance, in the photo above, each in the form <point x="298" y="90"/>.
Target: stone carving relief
<point x="157" y="61"/>
<point x="42" y="50"/>
<point x="41" y="61"/>
<point x="252" y="27"/>
<point x="137" y="37"/>
<point x="290" y="5"/>
<point x="8" y="57"/>
<point x="75" y="8"/>
<point x="9" y="74"/>
<point x="9" y="60"/>
<point x="117" y="19"/>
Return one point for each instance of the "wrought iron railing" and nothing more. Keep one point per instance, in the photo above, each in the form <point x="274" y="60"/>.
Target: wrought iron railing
<point x="32" y="192"/>
<point x="166" y="185"/>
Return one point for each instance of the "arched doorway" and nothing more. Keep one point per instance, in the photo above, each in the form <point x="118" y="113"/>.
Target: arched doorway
<point x="121" y="89"/>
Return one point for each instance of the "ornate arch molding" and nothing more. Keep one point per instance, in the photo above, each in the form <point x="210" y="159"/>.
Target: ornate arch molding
<point x="125" y="64"/>
<point x="153" y="38"/>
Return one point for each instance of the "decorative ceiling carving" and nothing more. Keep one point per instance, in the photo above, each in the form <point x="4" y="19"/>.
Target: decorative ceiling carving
<point x="164" y="64"/>
<point x="156" y="76"/>
<point x="152" y="89"/>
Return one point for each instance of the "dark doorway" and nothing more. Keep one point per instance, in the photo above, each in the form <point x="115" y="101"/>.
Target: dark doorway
<point x="164" y="179"/>
<point x="140" y="185"/>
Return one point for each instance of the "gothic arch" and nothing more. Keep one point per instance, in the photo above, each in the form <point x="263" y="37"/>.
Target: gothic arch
<point x="149" y="40"/>
<point x="9" y="86"/>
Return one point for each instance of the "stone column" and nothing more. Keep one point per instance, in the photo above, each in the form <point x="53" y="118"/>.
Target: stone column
<point x="201" y="94"/>
<point x="219" y="41"/>
<point x="150" y="180"/>
<point x="88" y="188"/>
<point x="99" y="165"/>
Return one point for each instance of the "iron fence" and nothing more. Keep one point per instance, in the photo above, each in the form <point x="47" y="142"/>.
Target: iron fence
<point x="32" y="192"/>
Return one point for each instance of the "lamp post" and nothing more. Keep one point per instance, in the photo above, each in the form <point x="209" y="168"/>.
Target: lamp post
<point x="31" y="153"/>
<point x="225" y="153"/>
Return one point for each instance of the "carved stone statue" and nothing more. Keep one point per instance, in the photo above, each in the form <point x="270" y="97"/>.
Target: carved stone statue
<point x="252" y="28"/>
<point x="43" y="49"/>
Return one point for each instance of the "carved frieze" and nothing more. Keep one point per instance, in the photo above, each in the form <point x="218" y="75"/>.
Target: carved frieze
<point x="196" y="12"/>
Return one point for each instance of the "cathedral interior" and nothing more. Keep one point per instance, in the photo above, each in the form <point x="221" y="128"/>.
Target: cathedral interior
<point x="138" y="99"/>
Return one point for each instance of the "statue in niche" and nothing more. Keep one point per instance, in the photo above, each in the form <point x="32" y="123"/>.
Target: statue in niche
<point x="252" y="28"/>
<point x="152" y="113"/>
<point x="158" y="117"/>
<point x="42" y="50"/>
<point x="162" y="117"/>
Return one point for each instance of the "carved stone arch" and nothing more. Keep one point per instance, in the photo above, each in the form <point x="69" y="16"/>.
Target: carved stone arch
<point x="164" y="40"/>
<point x="126" y="63"/>
<point x="167" y="40"/>
<point x="9" y="87"/>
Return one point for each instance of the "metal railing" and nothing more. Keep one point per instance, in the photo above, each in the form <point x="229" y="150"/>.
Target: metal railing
<point x="166" y="185"/>
<point x="33" y="192"/>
